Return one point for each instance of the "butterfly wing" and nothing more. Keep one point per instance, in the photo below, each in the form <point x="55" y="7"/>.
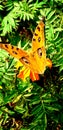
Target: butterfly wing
<point x="14" y="51"/>
<point x="23" y="57"/>
<point x="38" y="49"/>
<point x="38" y="37"/>
<point x="36" y="61"/>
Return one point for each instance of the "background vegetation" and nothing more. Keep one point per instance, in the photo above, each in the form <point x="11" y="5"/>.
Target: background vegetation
<point x="31" y="105"/>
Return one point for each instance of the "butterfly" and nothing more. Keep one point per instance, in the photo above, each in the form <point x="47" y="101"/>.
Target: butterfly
<point x="35" y="61"/>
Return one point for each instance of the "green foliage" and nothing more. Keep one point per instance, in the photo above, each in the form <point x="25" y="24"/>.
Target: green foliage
<point x="6" y="68"/>
<point x="18" y="10"/>
<point x="27" y="105"/>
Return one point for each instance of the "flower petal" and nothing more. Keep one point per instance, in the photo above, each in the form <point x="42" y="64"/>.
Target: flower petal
<point x="34" y="76"/>
<point x="18" y="64"/>
<point x="24" y="73"/>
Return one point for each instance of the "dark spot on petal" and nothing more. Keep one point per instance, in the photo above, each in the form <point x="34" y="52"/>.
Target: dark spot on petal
<point x="12" y="47"/>
<point x="39" y="51"/>
<point x="6" y="46"/>
<point x="34" y="39"/>
<point x="39" y="39"/>
<point x="38" y="28"/>
<point x="36" y="34"/>
<point x="25" y="60"/>
<point x="17" y="48"/>
<point x="14" y="52"/>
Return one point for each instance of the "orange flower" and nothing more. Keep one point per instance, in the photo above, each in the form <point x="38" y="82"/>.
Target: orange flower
<point x="26" y="72"/>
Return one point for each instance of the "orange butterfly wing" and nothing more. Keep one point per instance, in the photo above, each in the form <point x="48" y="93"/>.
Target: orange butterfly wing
<point x="14" y="51"/>
<point x="36" y="60"/>
<point x="38" y="37"/>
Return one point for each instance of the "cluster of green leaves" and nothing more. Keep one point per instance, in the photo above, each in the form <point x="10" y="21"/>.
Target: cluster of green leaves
<point x="27" y="105"/>
<point x="6" y="68"/>
<point x="16" y="11"/>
